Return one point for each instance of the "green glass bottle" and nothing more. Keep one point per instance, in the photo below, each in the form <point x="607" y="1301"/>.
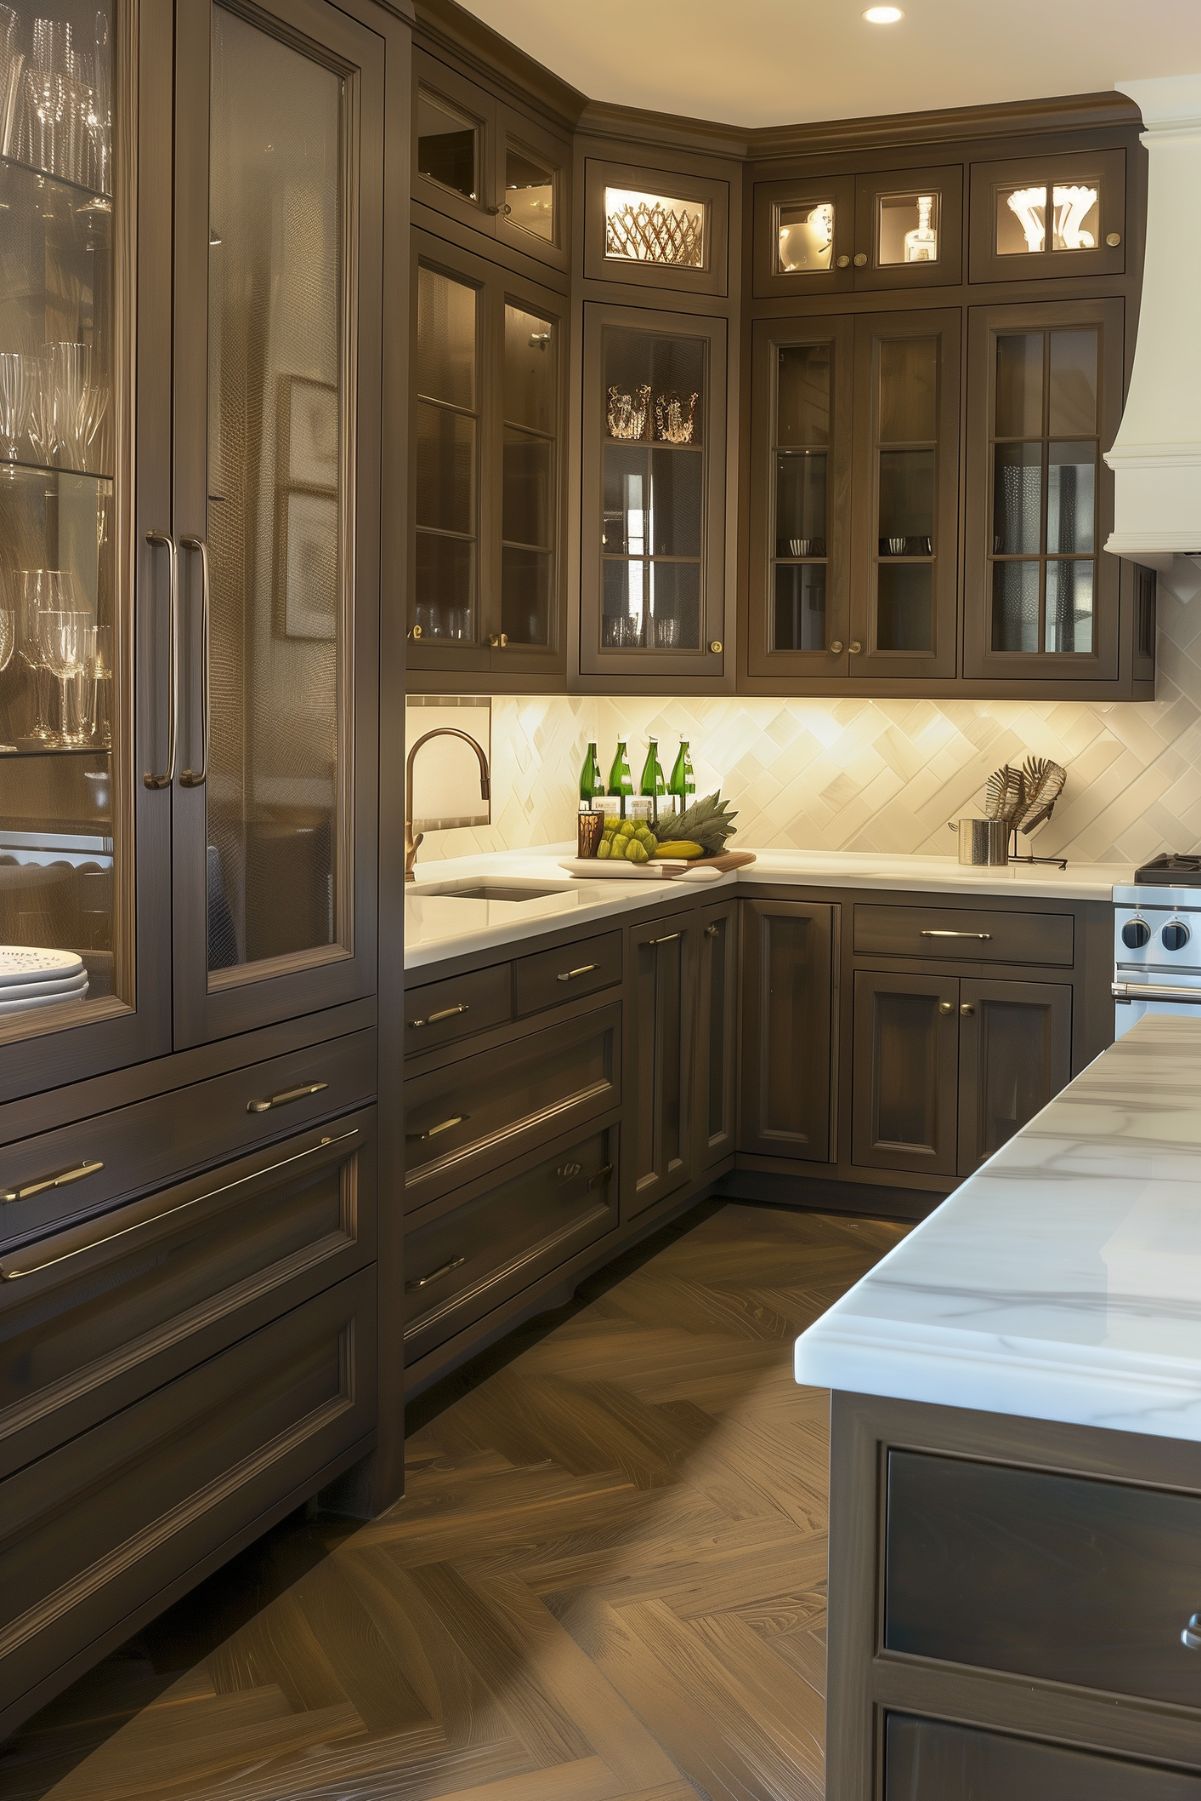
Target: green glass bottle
<point x="621" y="782"/>
<point x="682" y="784"/>
<point x="591" y="784"/>
<point x="653" y="785"/>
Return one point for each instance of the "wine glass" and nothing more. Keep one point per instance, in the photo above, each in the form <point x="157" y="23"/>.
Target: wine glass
<point x="8" y="633"/>
<point x="14" y="401"/>
<point x="63" y="637"/>
<point x="98" y="686"/>
<point x="42" y="426"/>
<point x="41" y="591"/>
<point x="68" y="369"/>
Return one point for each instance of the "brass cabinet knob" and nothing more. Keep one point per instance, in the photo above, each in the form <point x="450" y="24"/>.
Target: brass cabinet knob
<point x="854" y="647"/>
<point x="499" y="640"/>
<point x="502" y="211"/>
<point x="967" y="1009"/>
<point x="842" y="262"/>
<point x="711" y="931"/>
<point x="716" y="646"/>
<point x="1113" y="239"/>
<point x="861" y="259"/>
<point x="837" y="647"/>
<point x="415" y="632"/>
<point x="946" y="1007"/>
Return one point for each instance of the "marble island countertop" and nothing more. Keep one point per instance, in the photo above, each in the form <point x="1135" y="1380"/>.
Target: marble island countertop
<point x="1063" y="1280"/>
<point x="439" y="926"/>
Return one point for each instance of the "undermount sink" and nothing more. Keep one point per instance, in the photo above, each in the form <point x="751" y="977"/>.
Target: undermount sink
<point x="490" y="888"/>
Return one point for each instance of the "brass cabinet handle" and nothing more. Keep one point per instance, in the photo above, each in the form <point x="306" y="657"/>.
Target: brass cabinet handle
<point x="854" y="647"/>
<point x="967" y="1008"/>
<point x="1190" y="1638"/>
<point x="716" y="646"/>
<point x="499" y="640"/>
<point x="14" y="1272"/>
<point x="416" y="632"/>
<point x="436" y="1275"/>
<point x="947" y="932"/>
<point x="569" y="975"/>
<point x="667" y="938"/>
<point x="443" y="1125"/>
<point x="196" y="778"/>
<point x="837" y="647"/>
<point x="600" y="1175"/>
<point x="500" y="212"/>
<point x="164" y="539"/>
<point x="435" y="1019"/>
<point x="1113" y="239"/>
<point x="62" y="1179"/>
<point x="946" y="1007"/>
<point x="285" y="1097"/>
<point x="861" y="259"/>
<point x="842" y="262"/>
<point x="711" y="931"/>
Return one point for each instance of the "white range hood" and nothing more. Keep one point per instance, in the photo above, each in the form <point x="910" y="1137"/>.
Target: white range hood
<point x="1156" y="456"/>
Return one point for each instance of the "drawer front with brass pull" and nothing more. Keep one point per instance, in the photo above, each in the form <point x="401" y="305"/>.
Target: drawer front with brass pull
<point x="951" y="935"/>
<point x="94" y="1314"/>
<point x="69" y="1174"/>
<point x="440" y="1013"/>
<point x="1044" y="1576"/>
<point x="549" y="978"/>
<point x="470" y="1116"/>
<point x="469" y="1260"/>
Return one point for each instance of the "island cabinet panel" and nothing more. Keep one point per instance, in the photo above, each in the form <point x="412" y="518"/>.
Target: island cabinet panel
<point x="1015" y="1054"/>
<point x="660" y="966"/>
<point x="716" y="1034"/>
<point x="443" y="1012"/>
<point x="1045" y="1576"/>
<point x="905" y="1064"/>
<point x="787" y="1028"/>
<point x="931" y="1760"/>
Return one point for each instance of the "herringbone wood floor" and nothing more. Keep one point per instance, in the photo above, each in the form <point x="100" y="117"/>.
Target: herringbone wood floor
<point x="606" y="1582"/>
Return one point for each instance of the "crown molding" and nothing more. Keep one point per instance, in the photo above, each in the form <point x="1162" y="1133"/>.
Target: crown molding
<point x="1068" y="112"/>
<point x="640" y="125"/>
<point x="442" y="25"/>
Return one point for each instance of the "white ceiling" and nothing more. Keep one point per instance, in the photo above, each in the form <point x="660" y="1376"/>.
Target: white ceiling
<point x="781" y="62"/>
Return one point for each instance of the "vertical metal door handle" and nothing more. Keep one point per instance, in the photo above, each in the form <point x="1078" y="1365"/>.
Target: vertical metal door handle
<point x="167" y="543"/>
<point x="195" y="778"/>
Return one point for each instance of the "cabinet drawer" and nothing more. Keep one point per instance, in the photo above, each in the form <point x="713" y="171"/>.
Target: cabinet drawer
<point x="461" y="1265"/>
<point x="76" y="1171"/>
<point x="931" y="1760"/>
<point x="441" y="1012"/>
<point x="473" y="1115"/>
<point x="551" y="977"/>
<point x="1044" y="1576"/>
<point x="96" y="1314"/>
<point x="99" y="1526"/>
<point x="949" y="935"/>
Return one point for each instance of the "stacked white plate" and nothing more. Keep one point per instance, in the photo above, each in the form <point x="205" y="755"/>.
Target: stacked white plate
<point x="31" y="977"/>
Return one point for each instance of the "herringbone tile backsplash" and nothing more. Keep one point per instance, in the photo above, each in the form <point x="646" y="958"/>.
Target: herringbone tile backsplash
<point x="875" y="775"/>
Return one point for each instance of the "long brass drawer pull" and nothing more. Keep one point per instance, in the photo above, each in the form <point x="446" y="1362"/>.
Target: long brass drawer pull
<point x="443" y="1125"/>
<point x="668" y="938"/>
<point x="63" y="1179"/>
<point x="569" y="975"/>
<point x="435" y="1019"/>
<point x="436" y="1275"/>
<point x="13" y="1272"/>
<point x="943" y="932"/>
<point x="286" y="1097"/>
<point x="601" y="1175"/>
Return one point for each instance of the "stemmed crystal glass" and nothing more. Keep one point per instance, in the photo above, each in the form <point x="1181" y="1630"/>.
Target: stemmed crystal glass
<point x="98" y="686"/>
<point x="15" y="401"/>
<point x="64" y="646"/>
<point x="41" y="591"/>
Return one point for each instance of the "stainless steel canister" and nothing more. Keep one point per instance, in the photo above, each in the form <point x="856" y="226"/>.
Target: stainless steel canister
<point x="983" y="843"/>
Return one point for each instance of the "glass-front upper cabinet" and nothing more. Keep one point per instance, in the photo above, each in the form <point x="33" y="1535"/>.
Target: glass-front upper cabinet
<point x="485" y="594"/>
<point x="278" y="373"/>
<point x="656" y="228"/>
<point x="1044" y="400"/>
<point x="898" y="228"/>
<point x="494" y="169"/>
<point x="82" y="865"/>
<point x="654" y="482"/>
<point x="1049" y="216"/>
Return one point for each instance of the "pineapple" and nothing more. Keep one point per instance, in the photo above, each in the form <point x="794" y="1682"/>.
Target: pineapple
<point x="707" y="822"/>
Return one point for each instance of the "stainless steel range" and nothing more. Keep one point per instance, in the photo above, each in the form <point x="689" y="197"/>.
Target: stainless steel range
<point x="1157" y="941"/>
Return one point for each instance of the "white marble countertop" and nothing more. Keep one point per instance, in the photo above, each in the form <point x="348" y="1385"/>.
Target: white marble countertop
<point x="437" y="926"/>
<point x="1063" y="1280"/>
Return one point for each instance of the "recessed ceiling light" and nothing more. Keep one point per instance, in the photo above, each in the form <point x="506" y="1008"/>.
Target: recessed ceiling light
<point x="883" y="15"/>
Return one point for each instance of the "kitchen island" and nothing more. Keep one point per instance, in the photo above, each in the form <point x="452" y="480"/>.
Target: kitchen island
<point x="1015" y="1562"/>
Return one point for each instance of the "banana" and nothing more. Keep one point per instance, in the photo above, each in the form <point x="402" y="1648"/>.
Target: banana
<point x="681" y="849"/>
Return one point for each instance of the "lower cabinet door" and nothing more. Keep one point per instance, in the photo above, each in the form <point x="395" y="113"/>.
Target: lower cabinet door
<point x="476" y="1253"/>
<point x="657" y="1074"/>
<point x="1015" y="1054"/>
<point x="904" y="1104"/>
<point x="102" y="1525"/>
<point x="787" y="1028"/>
<point x="716" y="1096"/>
<point x="929" y="1760"/>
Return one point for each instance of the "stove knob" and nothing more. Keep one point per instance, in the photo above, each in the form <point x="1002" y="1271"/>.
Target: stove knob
<point x="1175" y="935"/>
<point x="1136" y="933"/>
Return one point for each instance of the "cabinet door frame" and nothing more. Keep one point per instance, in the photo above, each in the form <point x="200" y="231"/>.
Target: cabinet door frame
<point x="642" y="1188"/>
<point x="940" y="1157"/>
<point x="474" y="103"/>
<point x="769" y="282"/>
<point x="716" y="1003"/>
<point x="872" y="663"/>
<point x="1109" y="169"/>
<point x="945" y="180"/>
<point x="980" y="660"/>
<point x="304" y="981"/>
<point x="713" y="654"/>
<point x="769" y="337"/>
<point x="711" y="191"/>
<point x="1054" y="1000"/>
<point x="514" y="126"/>
<point x="815" y="1144"/>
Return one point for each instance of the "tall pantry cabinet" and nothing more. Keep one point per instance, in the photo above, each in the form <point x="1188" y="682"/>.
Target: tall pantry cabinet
<point x="205" y="204"/>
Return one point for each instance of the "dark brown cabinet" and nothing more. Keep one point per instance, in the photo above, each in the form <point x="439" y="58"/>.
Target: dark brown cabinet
<point x="1046" y="217"/>
<point x="659" y="1060"/>
<point x="787" y="1015"/>
<point x="716" y="1034"/>
<point x="932" y="1760"/>
<point x="662" y="229"/>
<point x="1015" y="1054"/>
<point x="486" y="598"/>
<point x="898" y="229"/>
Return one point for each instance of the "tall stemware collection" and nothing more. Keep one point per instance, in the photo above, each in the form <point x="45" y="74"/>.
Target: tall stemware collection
<point x="68" y="659"/>
<point x="56" y="98"/>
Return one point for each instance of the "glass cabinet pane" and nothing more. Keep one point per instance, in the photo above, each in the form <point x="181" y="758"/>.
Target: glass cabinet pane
<point x="1045" y="492"/>
<point x="447" y="458"/>
<point x="804" y="236"/>
<point x="280" y="421"/>
<point x="65" y="630"/>
<point x="529" y="487"/>
<point x="803" y="406"/>
<point x="448" y="145"/>
<point x="1052" y="216"/>
<point x="907" y="458"/>
<point x="907" y="228"/>
<point x="655" y="228"/>
<point x="530" y="192"/>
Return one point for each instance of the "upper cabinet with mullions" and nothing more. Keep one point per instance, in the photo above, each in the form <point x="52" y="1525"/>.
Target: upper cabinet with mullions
<point x="487" y="166"/>
<point x="188" y="736"/>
